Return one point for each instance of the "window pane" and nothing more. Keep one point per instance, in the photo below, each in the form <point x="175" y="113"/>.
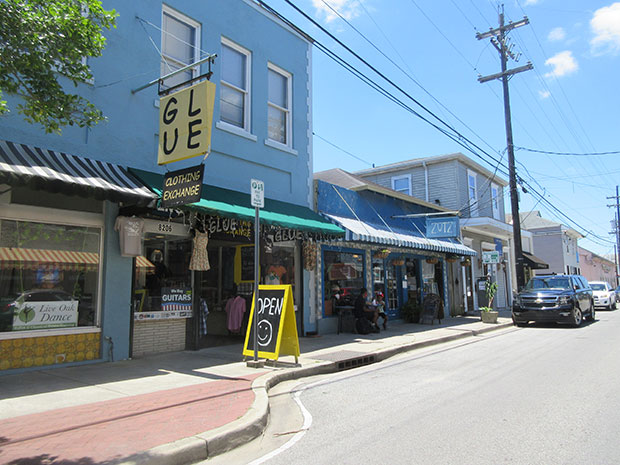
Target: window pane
<point x="233" y="67"/>
<point x="168" y="67"/>
<point x="401" y="185"/>
<point x="343" y="276"/>
<point x="178" y="39"/>
<point x="231" y="106"/>
<point x="276" y="125"/>
<point x="278" y="89"/>
<point x="49" y="275"/>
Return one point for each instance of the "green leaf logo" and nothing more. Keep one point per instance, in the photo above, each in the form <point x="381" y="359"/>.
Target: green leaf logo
<point x="27" y="314"/>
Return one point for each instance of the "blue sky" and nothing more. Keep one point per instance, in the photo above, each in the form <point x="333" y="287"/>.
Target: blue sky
<point x="569" y="103"/>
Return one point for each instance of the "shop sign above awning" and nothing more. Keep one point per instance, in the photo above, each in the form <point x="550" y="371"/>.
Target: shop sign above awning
<point x="59" y="172"/>
<point x="357" y="230"/>
<point x="32" y="259"/>
<point x="232" y="204"/>
<point x="533" y="262"/>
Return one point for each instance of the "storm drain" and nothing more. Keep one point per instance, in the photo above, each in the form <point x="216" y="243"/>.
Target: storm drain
<point x="347" y="359"/>
<point x="356" y="362"/>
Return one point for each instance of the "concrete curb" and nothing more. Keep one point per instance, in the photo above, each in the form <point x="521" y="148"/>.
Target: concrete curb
<point x="253" y="422"/>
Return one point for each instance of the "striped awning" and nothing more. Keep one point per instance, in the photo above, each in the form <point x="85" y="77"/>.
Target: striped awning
<point x="144" y="263"/>
<point x="357" y="230"/>
<point x="32" y="259"/>
<point x="52" y="171"/>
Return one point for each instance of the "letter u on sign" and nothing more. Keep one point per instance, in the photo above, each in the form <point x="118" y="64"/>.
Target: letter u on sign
<point x="185" y="121"/>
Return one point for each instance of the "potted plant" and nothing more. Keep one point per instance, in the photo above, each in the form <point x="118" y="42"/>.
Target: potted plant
<point x="487" y="314"/>
<point x="410" y="312"/>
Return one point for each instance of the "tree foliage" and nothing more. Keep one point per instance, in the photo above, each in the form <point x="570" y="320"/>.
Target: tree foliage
<point x="44" y="46"/>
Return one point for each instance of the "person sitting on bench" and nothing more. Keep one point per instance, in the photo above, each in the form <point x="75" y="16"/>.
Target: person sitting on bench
<point x="380" y="306"/>
<point x="361" y="310"/>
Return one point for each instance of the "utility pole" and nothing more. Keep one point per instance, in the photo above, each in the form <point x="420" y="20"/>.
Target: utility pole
<point x="616" y="228"/>
<point x="500" y="42"/>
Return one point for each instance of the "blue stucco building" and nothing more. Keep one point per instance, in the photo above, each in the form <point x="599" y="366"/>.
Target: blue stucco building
<point x="68" y="200"/>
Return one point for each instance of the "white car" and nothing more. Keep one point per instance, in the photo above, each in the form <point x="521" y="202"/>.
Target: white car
<point x="604" y="295"/>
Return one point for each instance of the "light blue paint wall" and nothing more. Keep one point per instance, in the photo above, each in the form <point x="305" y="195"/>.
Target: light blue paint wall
<point x="130" y="59"/>
<point x="129" y="136"/>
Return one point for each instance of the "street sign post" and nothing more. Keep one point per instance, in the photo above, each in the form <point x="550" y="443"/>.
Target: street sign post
<point x="257" y="196"/>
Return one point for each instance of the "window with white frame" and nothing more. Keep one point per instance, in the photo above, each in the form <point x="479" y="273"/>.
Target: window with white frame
<point x="402" y="184"/>
<point x="180" y="45"/>
<point x="495" y="200"/>
<point x="235" y="88"/>
<point x="472" y="193"/>
<point x="279" y="106"/>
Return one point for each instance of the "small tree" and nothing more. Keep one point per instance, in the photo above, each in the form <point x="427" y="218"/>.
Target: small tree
<point x="41" y="41"/>
<point x="490" y="289"/>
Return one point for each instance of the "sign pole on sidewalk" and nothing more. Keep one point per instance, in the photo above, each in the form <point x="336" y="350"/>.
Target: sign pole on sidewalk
<point x="256" y="277"/>
<point x="258" y="201"/>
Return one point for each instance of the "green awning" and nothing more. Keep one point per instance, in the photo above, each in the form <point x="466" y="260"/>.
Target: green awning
<point x="233" y="204"/>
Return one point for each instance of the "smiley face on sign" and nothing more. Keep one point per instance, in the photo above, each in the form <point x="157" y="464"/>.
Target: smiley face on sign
<point x="265" y="332"/>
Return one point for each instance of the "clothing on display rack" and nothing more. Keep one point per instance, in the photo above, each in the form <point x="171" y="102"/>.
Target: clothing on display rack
<point x="235" y="308"/>
<point x="200" y="257"/>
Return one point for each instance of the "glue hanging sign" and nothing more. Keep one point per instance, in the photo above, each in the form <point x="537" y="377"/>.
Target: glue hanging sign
<point x="185" y="121"/>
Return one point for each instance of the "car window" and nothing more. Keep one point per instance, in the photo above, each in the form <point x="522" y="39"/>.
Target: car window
<point x="598" y="286"/>
<point x="576" y="283"/>
<point x="551" y="282"/>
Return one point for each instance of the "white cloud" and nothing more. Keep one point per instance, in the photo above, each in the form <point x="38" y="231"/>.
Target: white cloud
<point x="349" y="9"/>
<point x="530" y="2"/>
<point x="544" y="94"/>
<point x="605" y="25"/>
<point x="563" y="63"/>
<point x="557" y="33"/>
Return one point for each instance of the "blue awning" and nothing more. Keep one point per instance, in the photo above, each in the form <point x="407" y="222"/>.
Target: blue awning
<point x="356" y="230"/>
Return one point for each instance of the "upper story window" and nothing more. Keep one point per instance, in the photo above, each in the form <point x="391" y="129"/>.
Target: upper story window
<point x="495" y="200"/>
<point x="472" y="193"/>
<point x="180" y="45"/>
<point x="402" y="184"/>
<point x="279" y="106"/>
<point x="235" y="88"/>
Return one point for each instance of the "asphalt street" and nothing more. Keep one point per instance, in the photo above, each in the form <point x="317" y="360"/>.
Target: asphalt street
<point x="543" y="394"/>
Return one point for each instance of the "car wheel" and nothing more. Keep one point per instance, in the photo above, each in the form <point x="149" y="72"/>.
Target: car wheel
<point x="577" y="317"/>
<point x="592" y="315"/>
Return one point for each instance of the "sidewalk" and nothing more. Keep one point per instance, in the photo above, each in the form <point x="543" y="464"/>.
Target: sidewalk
<point x="181" y="407"/>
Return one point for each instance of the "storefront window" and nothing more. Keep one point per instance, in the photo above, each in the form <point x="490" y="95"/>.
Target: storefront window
<point x="162" y="277"/>
<point x="343" y="276"/>
<point x="49" y="276"/>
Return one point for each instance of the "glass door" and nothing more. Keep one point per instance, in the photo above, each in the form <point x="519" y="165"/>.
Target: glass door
<point x="392" y="290"/>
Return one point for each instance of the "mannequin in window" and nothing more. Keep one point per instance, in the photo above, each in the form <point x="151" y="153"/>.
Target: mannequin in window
<point x="155" y="280"/>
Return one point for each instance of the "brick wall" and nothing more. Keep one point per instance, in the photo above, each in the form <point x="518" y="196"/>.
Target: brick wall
<point x="152" y="337"/>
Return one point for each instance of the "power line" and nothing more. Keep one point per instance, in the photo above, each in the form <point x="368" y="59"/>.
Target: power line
<point x="342" y="150"/>
<point x="570" y="154"/>
<point x="454" y="135"/>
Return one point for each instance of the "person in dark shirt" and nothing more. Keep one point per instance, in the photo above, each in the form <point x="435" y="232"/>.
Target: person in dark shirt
<point x="361" y="310"/>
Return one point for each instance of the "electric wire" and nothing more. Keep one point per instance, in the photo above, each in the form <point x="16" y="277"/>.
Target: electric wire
<point x="569" y="154"/>
<point x="459" y="138"/>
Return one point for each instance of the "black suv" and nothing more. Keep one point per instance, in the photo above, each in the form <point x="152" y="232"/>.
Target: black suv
<point x="559" y="298"/>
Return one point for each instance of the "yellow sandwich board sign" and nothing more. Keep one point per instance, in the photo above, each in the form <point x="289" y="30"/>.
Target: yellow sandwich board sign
<point x="277" y="329"/>
<point x="185" y="120"/>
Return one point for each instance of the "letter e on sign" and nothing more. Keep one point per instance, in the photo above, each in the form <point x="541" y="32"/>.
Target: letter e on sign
<point x="257" y="193"/>
<point x="185" y="121"/>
